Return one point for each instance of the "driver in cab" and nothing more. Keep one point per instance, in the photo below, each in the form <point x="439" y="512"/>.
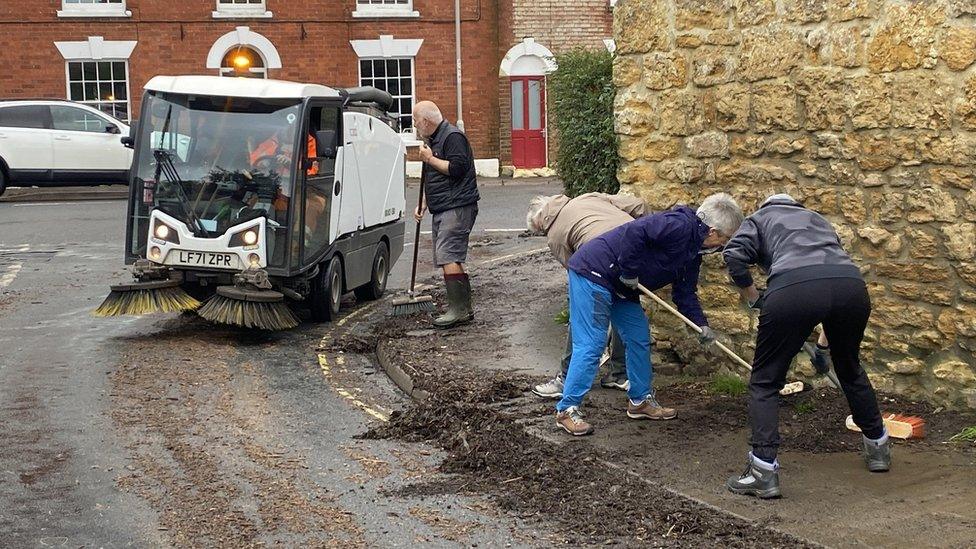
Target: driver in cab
<point x="274" y="155"/>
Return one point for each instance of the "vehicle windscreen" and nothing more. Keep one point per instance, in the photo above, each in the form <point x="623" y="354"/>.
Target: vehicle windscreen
<point x="214" y="162"/>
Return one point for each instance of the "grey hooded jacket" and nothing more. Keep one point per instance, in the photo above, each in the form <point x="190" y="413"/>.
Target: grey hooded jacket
<point x="788" y="242"/>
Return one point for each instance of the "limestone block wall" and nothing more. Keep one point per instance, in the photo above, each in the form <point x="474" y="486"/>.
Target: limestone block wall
<point x="865" y="110"/>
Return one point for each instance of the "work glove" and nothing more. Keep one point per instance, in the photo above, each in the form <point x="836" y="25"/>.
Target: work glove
<point x="758" y="303"/>
<point x="629" y="282"/>
<point x="707" y="336"/>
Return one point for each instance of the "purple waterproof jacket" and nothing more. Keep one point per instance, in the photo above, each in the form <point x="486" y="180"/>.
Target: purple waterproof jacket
<point x="658" y="249"/>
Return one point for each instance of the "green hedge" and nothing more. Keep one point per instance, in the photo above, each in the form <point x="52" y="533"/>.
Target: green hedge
<point x="581" y="91"/>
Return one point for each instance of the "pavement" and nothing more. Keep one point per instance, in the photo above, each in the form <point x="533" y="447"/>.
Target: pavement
<point x="163" y="430"/>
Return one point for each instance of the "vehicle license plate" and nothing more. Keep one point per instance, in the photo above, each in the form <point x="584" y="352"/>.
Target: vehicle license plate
<point x="212" y="260"/>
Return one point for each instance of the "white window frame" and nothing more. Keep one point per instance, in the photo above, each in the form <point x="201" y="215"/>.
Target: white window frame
<point x="382" y="10"/>
<point x="93" y="10"/>
<point x="387" y="47"/>
<point x="95" y="104"/>
<point x="408" y="135"/>
<point x="232" y="11"/>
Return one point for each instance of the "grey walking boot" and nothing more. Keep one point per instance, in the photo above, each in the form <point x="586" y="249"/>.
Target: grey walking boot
<point x="458" y="302"/>
<point x="877" y="454"/>
<point x="760" y="479"/>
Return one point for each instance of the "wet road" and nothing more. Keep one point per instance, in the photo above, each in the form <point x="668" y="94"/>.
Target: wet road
<point x="163" y="430"/>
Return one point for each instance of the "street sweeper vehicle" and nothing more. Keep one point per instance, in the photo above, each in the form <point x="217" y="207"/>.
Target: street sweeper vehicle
<point x="249" y="197"/>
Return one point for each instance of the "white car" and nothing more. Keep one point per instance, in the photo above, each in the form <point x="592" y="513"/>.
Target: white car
<point x="53" y="143"/>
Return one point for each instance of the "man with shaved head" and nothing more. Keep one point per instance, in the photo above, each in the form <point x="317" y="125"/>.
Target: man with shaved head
<point x="451" y="195"/>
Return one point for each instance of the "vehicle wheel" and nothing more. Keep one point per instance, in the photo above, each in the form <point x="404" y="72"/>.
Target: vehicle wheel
<point x="327" y="292"/>
<point x="3" y="183"/>
<point x="380" y="273"/>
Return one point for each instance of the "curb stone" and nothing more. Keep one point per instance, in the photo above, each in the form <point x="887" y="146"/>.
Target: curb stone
<point x="397" y="375"/>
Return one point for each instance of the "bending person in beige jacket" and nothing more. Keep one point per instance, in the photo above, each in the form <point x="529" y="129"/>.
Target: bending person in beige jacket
<point x="568" y="224"/>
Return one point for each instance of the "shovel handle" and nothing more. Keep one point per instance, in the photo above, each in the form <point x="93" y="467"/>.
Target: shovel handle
<point x="416" y="238"/>
<point x="693" y="326"/>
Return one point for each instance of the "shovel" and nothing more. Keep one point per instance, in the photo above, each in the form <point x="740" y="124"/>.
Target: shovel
<point x="788" y="389"/>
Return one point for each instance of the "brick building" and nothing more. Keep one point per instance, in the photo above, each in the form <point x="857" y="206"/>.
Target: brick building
<point x="103" y="51"/>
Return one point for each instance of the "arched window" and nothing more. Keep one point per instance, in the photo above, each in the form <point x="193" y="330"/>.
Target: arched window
<point x="243" y="61"/>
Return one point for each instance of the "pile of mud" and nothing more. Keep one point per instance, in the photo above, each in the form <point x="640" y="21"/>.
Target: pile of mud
<point x="812" y="421"/>
<point x="569" y="485"/>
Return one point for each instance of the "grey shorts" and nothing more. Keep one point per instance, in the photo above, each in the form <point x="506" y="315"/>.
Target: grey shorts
<point x="451" y="229"/>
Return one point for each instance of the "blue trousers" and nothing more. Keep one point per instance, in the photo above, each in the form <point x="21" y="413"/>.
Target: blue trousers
<point x="591" y="309"/>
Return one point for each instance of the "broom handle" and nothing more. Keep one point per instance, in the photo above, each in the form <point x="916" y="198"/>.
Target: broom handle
<point x="416" y="238"/>
<point x="692" y="325"/>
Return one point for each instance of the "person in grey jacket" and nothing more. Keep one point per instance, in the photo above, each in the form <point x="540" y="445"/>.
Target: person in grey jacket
<point x="811" y="280"/>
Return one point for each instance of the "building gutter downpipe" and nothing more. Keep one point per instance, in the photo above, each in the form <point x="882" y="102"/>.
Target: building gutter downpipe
<point x="457" y="45"/>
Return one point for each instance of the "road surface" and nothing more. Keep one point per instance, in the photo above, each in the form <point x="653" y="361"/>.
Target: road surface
<point x="164" y="430"/>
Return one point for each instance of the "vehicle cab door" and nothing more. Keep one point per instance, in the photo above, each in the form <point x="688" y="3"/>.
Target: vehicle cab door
<point x="25" y="141"/>
<point x="321" y="149"/>
<point x="85" y="141"/>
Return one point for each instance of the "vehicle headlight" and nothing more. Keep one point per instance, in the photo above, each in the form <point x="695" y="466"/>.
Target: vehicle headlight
<point x="164" y="232"/>
<point x="247" y="238"/>
<point x="254" y="260"/>
<point x="155" y="253"/>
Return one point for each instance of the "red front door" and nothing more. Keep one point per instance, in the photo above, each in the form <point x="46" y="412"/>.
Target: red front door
<point x="528" y="121"/>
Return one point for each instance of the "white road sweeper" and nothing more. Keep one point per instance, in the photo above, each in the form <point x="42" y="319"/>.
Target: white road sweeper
<point x="249" y="196"/>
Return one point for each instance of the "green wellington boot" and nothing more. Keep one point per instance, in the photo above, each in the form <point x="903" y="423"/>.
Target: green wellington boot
<point x="458" y="304"/>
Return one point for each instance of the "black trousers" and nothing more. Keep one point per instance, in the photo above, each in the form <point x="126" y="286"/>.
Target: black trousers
<point x="788" y="316"/>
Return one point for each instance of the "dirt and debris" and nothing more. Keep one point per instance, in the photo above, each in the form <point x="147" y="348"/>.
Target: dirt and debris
<point x="490" y="450"/>
<point x="479" y="412"/>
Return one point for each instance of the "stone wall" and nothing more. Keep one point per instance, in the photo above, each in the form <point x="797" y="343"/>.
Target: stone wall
<point x="865" y="110"/>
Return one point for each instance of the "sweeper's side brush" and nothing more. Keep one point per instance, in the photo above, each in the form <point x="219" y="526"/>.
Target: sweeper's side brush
<point x="250" y="303"/>
<point x="140" y="298"/>
<point x="153" y="291"/>
<point x="403" y="306"/>
<point x="788" y="389"/>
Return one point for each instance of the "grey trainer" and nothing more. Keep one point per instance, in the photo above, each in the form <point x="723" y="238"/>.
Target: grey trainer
<point x="877" y="454"/>
<point x="760" y="480"/>
<point x="550" y="389"/>
<point x="615" y="381"/>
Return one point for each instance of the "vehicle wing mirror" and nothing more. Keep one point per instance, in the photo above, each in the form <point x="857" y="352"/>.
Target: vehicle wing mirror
<point x="112" y="128"/>
<point x="325" y="144"/>
<point x="128" y="141"/>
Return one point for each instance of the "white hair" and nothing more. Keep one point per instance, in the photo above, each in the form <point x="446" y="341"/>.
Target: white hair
<point x="427" y="110"/>
<point x="720" y="212"/>
<point x="535" y="206"/>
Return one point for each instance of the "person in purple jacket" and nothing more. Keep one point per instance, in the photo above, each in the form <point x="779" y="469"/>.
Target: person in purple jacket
<point x="655" y="251"/>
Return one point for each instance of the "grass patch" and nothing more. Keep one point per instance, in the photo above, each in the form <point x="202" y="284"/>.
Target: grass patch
<point x="562" y="317"/>
<point x="966" y="435"/>
<point x="727" y="384"/>
<point x="804" y="408"/>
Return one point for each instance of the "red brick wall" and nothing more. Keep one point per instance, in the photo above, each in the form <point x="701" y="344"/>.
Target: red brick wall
<point x="557" y="25"/>
<point x="174" y="37"/>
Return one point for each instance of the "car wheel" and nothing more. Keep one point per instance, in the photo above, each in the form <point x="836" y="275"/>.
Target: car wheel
<point x="3" y="183"/>
<point x="327" y="292"/>
<point x="379" y="275"/>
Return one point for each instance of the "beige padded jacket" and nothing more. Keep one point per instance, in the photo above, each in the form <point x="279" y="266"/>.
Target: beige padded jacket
<point x="570" y="223"/>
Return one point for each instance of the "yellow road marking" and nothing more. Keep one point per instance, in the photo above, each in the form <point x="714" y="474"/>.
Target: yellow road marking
<point x="340" y="360"/>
